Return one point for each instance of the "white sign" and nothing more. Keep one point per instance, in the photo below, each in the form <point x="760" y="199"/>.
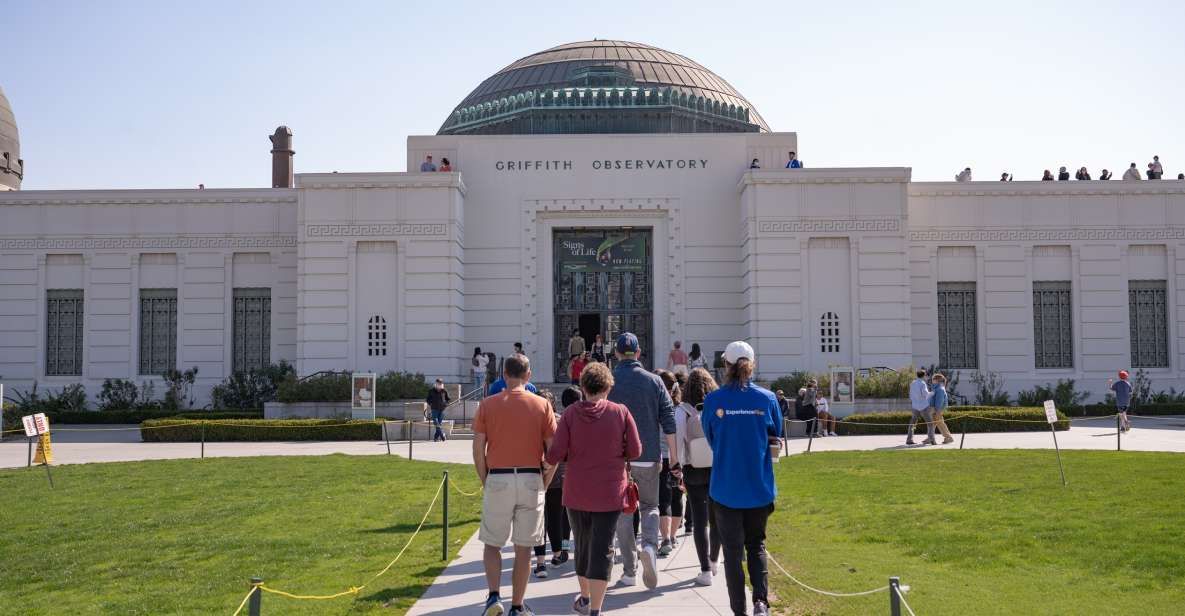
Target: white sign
<point x="363" y="394"/>
<point x="1050" y="412"/>
<point x="35" y="424"/>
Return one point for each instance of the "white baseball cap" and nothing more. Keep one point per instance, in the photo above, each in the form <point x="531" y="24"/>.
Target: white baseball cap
<point x="736" y="350"/>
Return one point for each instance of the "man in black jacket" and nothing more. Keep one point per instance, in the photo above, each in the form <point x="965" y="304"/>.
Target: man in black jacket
<point x="437" y="401"/>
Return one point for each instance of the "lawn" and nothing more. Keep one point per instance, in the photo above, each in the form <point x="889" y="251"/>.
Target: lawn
<point x="983" y="532"/>
<point x="185" y="536"/>
<point x="973" y="532"/>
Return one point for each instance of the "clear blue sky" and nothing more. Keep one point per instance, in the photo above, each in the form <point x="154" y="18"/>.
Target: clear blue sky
<point x="169" y="94"/>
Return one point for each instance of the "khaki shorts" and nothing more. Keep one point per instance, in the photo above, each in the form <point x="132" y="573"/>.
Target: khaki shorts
<point x="512" y="508"/>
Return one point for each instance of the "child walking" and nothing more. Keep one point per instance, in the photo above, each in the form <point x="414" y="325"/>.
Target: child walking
<point x="1123" y="398"/>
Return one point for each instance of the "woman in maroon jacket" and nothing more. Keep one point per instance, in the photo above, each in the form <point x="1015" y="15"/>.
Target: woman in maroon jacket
<point x="596" y="438"/>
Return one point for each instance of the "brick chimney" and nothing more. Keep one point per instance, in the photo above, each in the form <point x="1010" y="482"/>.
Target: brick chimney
<point x="282" y="153"/>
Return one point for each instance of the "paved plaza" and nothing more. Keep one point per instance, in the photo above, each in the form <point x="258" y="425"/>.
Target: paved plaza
<point x="83" y="444"/>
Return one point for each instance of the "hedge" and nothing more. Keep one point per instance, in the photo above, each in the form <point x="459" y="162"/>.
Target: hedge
<point x="188" y="431"/>
<point x="12" y="417"/>
<point x="958" y="421"/>
<point x="1101" y="409"/>
<point x="335" y="387"/>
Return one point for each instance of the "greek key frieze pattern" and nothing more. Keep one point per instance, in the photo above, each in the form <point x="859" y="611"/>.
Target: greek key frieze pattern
<point x="383" y="229"/>
<point x="1039" y="235"/>
<point x="828" y="226"/>
<point x="135" y="243"/>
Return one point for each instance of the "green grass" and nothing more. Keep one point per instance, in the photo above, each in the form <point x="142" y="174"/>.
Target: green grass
<point x="185" y="536"/>
<point x="983" y="532"/>
<point x="973" y="532"/>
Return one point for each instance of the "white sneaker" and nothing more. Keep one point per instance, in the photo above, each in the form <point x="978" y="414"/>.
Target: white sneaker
<point x="704" y="578"/>
<point x="834" y="434"/>
<point x="649" y="560"/>
<point x="627" y="580"/>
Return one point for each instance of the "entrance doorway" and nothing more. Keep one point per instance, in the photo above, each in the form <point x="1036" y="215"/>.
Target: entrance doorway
<point x="603" y="285"/>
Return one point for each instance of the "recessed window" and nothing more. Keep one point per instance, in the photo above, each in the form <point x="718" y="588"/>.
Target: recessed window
<point x="1147" y="306"/>
<point x="158" y="330"/>
<point x="1053" y="325"/>
<point x="63" y="332"/>
<point x="957" y="335"/>
<point x="252" y="335"/>
<point x="829" y="333"/>
<point x="376" y="336"/>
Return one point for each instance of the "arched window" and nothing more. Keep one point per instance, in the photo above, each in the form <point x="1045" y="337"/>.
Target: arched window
<point x="829" y="333"/>
<point x="376" y="337"/>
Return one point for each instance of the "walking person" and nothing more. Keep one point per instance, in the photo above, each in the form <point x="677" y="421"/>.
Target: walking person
<point x="555" y="516"/>
<point x="600" y="350"/>
<point x="481" y="364"/>
<point x="596" y="439"/>
<point x="512" y="430"/>
<point x="743" y="425"/>
<point x="938" y="403"/>
<point x="696" y="454"/>
<point x="677" y="359"/>
<point x="644" y="394"/>
<point x="577" y="366"/>
<point x="919" y="400"/>
<point x="696" y="358"/>
<point x="810" y="405"/>
<point x="1123" y="398"/>
<point x="670" y="488"/>
<point x="438" y="400"/>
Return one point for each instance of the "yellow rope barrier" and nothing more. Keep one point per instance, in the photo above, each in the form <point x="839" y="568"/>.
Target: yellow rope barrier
<point x="464" y="493"/>
<point x="354" y="590"/>
<point x="246" y="599"/>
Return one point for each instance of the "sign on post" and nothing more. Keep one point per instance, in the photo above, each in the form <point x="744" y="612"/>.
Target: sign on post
<point x="363" y="394"/>
<point x="1050" y="412"/>
<point x="843" y="391"/>
<point x="35" y="424"/>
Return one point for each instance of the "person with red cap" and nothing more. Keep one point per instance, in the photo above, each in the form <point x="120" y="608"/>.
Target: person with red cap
<point x="1123" y="398"/>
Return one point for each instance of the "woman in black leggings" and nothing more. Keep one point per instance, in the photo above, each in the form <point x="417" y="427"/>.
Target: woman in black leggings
<point x="697" y="473"/>
<point x="554" y="514"/>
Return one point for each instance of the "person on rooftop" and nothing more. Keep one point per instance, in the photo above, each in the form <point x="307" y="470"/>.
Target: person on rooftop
<point x="1105" y="175"/>
<point x="794" y="162"/>
<point x="1132" y="173"/>
<point x="1048" y="177"/>
<point x="1157" y="168"/>
<point x="756" y="164"/>
<point x="1005" y="177"/>
<point x="1063" y="175"/>
<point x="964" y="175"/>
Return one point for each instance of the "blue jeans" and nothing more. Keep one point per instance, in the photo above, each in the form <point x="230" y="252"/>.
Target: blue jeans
<point x="437" y="418"/>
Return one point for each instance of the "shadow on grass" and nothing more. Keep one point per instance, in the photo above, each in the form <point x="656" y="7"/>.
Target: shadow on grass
<point x="411" y="528"/>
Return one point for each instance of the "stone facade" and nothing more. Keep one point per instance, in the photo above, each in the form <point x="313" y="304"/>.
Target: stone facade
<point x="411" y="271"/>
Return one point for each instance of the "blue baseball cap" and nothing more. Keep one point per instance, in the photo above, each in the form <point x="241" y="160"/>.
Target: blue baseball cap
<point x="627" y="344"/>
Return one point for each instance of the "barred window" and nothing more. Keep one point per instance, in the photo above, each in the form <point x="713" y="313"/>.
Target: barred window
<point x="252" y="338"/>
<point x="376" y="336"/>
<point x="158" y="330"/>
<point x="958" y="338"/>
<point x="63" y="332"/>
<point x="1053" y="325"/>
<point x="1147" y="307"/>
<point x="829" y="333"/>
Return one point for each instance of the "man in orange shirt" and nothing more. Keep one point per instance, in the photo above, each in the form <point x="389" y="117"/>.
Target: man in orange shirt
<point x="512" y="431"/>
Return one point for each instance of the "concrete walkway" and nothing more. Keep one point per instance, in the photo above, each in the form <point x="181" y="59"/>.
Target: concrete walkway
<point x="122" y="443"/>
<point x="461" y="589"/>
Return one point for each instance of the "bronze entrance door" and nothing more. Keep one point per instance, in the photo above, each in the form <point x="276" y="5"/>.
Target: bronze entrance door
<point x="603" y="281"/>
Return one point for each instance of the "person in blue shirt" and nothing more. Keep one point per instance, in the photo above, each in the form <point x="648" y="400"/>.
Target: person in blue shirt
<point x="500" y="384"/>
<point x="794" y="162"/>
<point x="743" y="424"/>
<point x="938" y="403"/>
<point x="1123" y="398"/>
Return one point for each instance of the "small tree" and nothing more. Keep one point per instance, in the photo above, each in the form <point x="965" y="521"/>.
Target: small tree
<point x="989" y="389"/>
<point x="180" y="385"/>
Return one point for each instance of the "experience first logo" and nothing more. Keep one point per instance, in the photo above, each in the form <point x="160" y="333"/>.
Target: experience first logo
<point x="722" y="412"/>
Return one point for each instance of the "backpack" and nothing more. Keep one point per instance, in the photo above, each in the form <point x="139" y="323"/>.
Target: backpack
<point x="699" y="452"/>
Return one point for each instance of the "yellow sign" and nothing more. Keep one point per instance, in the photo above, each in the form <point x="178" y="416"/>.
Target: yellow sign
<point x="44" y="453"/>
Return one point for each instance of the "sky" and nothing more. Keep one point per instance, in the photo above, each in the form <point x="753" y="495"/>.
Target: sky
<point x="170" y="94"/>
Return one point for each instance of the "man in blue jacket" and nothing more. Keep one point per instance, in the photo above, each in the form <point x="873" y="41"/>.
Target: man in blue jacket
<point x="644" y="394"/>
<point x="743" y="423"/>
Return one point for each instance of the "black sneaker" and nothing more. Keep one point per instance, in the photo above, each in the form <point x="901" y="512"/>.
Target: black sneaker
<point x="540" y="570"/>
<point x="558" y="560"/>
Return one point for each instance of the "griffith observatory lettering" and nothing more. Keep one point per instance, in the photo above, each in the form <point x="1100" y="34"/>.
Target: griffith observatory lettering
<point x="632" y="164"/>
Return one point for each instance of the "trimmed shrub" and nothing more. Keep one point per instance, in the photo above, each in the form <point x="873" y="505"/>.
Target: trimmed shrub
<point x="335" y="387"/>
<point x="127" y="416"/>
<point x="188" y="431"/>
<point x="1063" y="394"/>
<point x="250" y="390"/>
<point x="1103" y="409"/>
<point x="960" y="420"/>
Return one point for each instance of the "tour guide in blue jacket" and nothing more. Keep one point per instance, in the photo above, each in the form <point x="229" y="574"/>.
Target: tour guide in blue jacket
<point x="739" y="421"/>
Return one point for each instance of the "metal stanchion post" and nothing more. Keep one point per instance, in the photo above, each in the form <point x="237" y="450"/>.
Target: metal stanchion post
<point x="203" y="440"/>
<point x="810" y="437"/>
<point x="30" y="465"/>
<point x="255" y="603"/>
<point x="386" y="437"/>
<point x="444" y="525"/>
<point x="963" y="420"/>
<point x="410" y="433"/>
<point x="1053" y="429"/>
<point x="1118" y="432"/>
<point x="894" y="598"/>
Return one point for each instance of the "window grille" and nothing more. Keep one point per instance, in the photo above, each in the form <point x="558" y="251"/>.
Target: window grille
<point x="252" y="336"/>
<point x="1053" y="329"/>
<point x="158" y="330"/>
<point x="1147" y="307"/>
<point x="958" y="338"/>
<point x="376" y="337"/>
<point x="63" y="332"/>
<point x="829" y="333"/>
